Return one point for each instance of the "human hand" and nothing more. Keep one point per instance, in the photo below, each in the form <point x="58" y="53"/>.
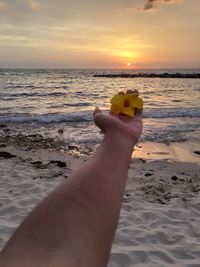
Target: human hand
<point x="124" y="126"/>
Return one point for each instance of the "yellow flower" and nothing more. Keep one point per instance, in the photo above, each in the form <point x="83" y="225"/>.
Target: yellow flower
<point x="126" y="104"/>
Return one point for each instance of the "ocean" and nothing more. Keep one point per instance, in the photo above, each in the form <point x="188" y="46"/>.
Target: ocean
<point x="46" y="100"/>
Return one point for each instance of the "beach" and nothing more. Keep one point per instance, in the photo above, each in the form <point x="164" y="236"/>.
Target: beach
<point x="160" y="215"/>
<point x="47" y="131"/>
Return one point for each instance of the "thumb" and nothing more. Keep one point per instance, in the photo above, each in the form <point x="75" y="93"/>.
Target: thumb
<point x="97" y="111"/>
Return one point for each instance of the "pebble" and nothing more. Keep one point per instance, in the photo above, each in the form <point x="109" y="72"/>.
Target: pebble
<point x="174" y="178"/>
<point x="6" y="155"/>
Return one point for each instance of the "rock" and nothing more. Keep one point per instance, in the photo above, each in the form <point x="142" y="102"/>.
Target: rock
<point x="6" y="155"/>
<point x="57" y="174"/>
<point x="60" y="131"/>
<point x="150" y="75"/>
<point x="7" y="130"/>
<point x="161" y="189"/>
<point x="174" y="178"/>
<point x="35" y="137"/>
<point x="59" y="163"/>
<point x="60" y="143"/>
<point x="3" y="125"/>
<point x="2" y="145"/>
<point x="148" y="174"/>
<point x="143" y="160"/>
<point x="72" y="147"/>
<point x="39" y="164"/>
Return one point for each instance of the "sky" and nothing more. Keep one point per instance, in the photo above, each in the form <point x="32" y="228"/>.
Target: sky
<point x="100" y="34"/>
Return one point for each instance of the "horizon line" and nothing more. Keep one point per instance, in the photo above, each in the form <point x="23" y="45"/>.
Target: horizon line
<point x="62" y="68"/>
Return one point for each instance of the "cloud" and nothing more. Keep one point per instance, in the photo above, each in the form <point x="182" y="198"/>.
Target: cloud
<point x="152" y="4"/>
<point x="3" y="7"/>
<point x="34" y="6"/>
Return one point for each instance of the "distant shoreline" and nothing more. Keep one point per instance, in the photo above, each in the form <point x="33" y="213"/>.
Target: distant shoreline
<point x="150" y="75"/>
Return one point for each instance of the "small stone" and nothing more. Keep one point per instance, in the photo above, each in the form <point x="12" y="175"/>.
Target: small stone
<point x="143" y="160"/>
<point x="72" y="147"/>
<point x="37" y="164"/>
<point x="174" y="178"/>
<point x="7" y="130"/>
<point x="59" y="163"/>
<point x="60" y="131"/>
<point x="6" y="155"/>
<point x="2" y="145"/>
<point x="148" y="174"/>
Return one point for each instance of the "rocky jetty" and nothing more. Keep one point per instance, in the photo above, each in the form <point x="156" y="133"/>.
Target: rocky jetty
<point x="150" y="75"/>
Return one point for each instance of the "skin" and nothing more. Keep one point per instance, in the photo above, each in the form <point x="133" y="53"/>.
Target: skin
<point x="75" y="224"/>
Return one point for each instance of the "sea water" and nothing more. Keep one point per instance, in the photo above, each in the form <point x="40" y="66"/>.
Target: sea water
<point x="45" y="100"/>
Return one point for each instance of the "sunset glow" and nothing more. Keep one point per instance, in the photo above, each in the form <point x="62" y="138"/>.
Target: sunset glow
<point x="69" y="34"/>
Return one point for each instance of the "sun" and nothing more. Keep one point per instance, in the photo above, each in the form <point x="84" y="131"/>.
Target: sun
<point x="128" y="64"/>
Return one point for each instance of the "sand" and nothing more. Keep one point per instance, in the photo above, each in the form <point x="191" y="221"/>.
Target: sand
<point x="159" y="224"/>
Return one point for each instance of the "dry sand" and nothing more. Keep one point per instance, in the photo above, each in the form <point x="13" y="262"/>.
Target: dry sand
<point x="159" y="224"/>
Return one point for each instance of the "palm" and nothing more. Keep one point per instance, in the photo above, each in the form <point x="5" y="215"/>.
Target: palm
<point x="130" y="125"/>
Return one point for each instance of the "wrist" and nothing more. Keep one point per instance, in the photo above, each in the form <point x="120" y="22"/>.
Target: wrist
<point x="120" y="138"/>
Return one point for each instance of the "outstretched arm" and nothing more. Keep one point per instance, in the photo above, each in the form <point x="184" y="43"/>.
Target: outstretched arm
<point x="75" y="224"/>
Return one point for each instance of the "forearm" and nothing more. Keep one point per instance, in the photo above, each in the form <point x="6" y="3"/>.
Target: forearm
<point x="75" y="224"/>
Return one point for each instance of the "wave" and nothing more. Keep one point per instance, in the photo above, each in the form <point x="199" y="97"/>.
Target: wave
<point x="86" y="115"/>
<point x="47" y="118"/>
<point x="57" y="85"/>
<point x="12" y="96"/>
<point x="79" y="104"/>
<point x="171" y="113"/>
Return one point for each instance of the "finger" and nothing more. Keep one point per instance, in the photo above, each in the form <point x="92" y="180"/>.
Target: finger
<point x="97" y="111"/>
<point x="113" y="113"/>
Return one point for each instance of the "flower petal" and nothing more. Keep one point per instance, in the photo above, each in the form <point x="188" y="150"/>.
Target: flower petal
<point x="117" y="103"/>
<point x="137" y="103"/>
<point x="129" y="111"/>
<point x="117" y="99"/>
<point x="126" y="104"/>
<point x="116" y="108"/>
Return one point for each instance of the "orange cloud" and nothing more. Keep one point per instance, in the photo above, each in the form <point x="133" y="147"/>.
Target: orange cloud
<point x="34" y="6"/>
<point x="3" y="7"/>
